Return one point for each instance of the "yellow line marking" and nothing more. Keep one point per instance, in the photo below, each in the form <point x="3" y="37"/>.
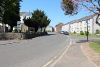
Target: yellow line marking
<point x="47" y="63"/>
<point x="55" y="61"/>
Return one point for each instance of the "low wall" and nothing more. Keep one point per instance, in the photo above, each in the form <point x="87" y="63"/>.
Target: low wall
<point x="11" y="36"/>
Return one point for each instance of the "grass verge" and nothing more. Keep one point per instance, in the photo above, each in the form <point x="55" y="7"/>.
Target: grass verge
<point x="95" y="46"/>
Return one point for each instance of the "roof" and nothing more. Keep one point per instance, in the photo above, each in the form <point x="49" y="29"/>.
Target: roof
<point x="82" y="19"/>
<point x="25" y="13"/>
<point x="59" y="24"/>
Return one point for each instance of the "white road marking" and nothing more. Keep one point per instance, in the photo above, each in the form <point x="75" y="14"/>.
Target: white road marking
<point x="47" y="63"/>
<point x="59" y="58"/>
<point x="53" y="61"/>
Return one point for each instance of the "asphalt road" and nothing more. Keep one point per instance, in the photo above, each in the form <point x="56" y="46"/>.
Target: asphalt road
<point x="32" y="53"/>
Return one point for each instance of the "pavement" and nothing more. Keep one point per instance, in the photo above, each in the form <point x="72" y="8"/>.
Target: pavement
<point x="74" y="57"/>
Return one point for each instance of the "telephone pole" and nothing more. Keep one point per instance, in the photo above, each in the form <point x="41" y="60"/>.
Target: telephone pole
<point x="87" y="32"/>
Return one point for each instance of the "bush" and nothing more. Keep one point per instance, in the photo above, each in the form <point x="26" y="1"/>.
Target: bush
<point x="31" y="34"/>
<point x="28" y="35"/>
<point x="81" y="33"/>
<point x="15" y="31"/>
<point x="97" y="31"/>
<point x="74" y="32"/>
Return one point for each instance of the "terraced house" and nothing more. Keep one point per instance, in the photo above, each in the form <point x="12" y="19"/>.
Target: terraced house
<point x="81" y="25"/>
<point x="21" y="26"/>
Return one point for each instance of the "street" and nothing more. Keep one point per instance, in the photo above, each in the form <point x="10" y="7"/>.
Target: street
<point x="52" y="50"/>
<point x="35" y="33"/>
<point x="33" y="52"/>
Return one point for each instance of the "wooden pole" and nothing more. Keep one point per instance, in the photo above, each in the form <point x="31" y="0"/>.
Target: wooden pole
<point x="87" y="33"/>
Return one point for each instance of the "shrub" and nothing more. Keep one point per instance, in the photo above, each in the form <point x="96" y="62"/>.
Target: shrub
<point x="74" y="32"/>
<point x="97" y="31"/>
<point x="81" y="33"/>
<point x="15" y="31"/>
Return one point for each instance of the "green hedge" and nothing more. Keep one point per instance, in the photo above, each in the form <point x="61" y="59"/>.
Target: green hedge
<point x="97" y="31"/>
<point x="81" y="33"/>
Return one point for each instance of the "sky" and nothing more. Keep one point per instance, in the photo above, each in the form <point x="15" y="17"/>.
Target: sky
<point x="53" y="10"/>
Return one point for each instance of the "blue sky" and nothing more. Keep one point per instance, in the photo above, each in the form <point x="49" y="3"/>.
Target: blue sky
<point x="52" y="9"/>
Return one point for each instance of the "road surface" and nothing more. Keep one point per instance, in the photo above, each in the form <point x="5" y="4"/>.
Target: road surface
<point x="32" y="53"/>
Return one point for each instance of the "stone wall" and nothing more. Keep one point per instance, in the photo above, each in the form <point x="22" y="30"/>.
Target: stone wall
<point x="11" y="36"/>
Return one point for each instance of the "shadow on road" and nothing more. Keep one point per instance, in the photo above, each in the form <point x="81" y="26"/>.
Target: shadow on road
<point x="82" y="41"/>
<point x="49" y="34"/>
<point x="90" y="40"/>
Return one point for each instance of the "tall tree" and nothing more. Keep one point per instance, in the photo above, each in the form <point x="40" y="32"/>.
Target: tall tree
<point x="2" y="4"/>
<point x="45" y="22"/>
<point x="71" y="7"/>
<point x="28" y="22"/>
<point x="37" y="17"/>
<point x="38" y="20"/>
<point x="10" y="12"/>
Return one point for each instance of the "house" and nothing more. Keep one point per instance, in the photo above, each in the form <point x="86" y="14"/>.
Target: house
<point x="81" y="25"/>
<point x="66" y="27"/>
<point x="58" y="27"/>
<point x="4" y="27"/>
<point x="20" y="24"/>
<point x="24" y="28"/>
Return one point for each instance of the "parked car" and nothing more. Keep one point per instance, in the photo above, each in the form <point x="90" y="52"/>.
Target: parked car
<point x="66" y="33"/>
<point x="61" y="32"/>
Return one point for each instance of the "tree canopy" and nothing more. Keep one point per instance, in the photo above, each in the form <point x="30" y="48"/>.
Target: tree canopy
<point x="38" y="20"/>
<point x="71" y="7"/>
<point x="10" y="12"/>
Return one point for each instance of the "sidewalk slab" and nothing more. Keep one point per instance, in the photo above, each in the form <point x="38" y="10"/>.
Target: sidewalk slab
<point x="74" y="58"/>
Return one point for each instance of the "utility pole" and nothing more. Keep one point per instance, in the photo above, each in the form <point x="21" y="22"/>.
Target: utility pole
<point x="87" y="32"/>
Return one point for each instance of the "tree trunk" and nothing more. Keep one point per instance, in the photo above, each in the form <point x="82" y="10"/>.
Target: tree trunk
<point x="44" y="29"/>
<point x="11" y="29"/>
<point x="36" y="29"/>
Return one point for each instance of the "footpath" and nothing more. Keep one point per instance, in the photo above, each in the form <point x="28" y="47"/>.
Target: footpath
<point x="74" y="57"/>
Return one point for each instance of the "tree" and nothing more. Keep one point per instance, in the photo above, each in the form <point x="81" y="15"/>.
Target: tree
<point x="2" y="4"/>
<point x="71" y="7"/>
<point x="37" y="17"/>
<point x="10" y="12"/>
<point x="45" y="22"/>
<point x="28" y="22"/>
<point x="38" y="20"/>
